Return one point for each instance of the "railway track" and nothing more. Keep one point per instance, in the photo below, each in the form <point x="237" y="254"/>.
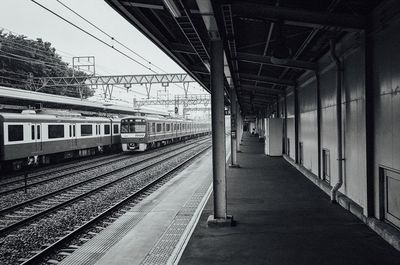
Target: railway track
<point x="23" y="213"/>
<point x="62" y="247"/>
<point x="53" y="168"/>
<point x="42" y="178"/>
<point x="37" y="179"/>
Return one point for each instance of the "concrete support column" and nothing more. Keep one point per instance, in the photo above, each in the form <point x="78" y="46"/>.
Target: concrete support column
<point x="234" y="130"/>
<point x="220" y="216"/>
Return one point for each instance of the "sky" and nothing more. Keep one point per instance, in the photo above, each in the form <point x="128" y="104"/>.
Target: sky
<point x="27" y="18"/>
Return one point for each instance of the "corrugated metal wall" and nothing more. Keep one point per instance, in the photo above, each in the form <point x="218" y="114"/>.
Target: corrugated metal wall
<point x="384" y="47"/>
<point x="353" y="113"/>
<point x="308" y="125"/>
<point x="290" y="124"/>
<point x="386" y="86"/>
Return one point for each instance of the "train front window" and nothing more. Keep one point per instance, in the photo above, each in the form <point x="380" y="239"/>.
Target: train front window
<point x="133" y="125"/>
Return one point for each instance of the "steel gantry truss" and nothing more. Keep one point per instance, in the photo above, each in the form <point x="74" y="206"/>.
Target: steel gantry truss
<point x="190" y="102"/>
<point x="107" y="82"/>
<point x="185" y="100"/>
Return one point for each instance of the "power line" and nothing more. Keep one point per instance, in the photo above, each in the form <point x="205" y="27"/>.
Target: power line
<point x="31" y="60"/>
<point x="113" y="39"/>
<point x="108" y="35"/>
<point x="93" y="36"/>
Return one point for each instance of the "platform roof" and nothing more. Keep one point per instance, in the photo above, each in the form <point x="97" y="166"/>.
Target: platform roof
<point x="268" y="43"/>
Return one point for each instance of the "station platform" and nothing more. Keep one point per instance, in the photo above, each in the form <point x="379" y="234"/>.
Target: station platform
<point x="282" y="218"/>
<point x="155" y="230"/>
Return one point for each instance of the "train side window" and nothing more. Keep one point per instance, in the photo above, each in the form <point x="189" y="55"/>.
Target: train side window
<point x="153" y="127"/>
<point x="15" y="133"/>
<point x="33" y="132"/>
<point x="158" y="127"/>
<point x="74" y="130"/>
<point x="168" y="127"/>
<point x="56" y="131"/>
<point x="86" y="130"/>
<point x="106" y="129"/>
<point x="163" y="127"/>
<point x="38" y="131"/>
<point x="115" y="128"/>
<point x="70" y="130"/>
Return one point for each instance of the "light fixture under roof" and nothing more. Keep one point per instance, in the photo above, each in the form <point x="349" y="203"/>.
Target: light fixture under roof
<point x="172" y="7"/>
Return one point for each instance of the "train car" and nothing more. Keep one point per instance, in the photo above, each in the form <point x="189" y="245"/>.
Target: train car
<point x="28" y="138"/>
<point x="139" y="133"/>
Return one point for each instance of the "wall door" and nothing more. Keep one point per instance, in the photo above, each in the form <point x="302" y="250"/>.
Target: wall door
<point x="392" y="197"/>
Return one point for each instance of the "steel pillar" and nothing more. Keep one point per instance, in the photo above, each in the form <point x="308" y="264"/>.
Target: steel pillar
<point x="239" y="128"/>
<point x="220" y="216"/>
<point x="234" y="131"/>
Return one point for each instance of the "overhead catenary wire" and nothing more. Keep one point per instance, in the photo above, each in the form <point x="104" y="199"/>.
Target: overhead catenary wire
<point x="32" y="60"/>
<point x="114" y="39"/>
<point x="37" y="50"/>
<point x="110" y="36"/>
<point x="93" y="36"/>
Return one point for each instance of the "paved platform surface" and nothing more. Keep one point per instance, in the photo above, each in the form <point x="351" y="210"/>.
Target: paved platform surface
<point x="156" y="230"/>
<point x="282" y="218"/>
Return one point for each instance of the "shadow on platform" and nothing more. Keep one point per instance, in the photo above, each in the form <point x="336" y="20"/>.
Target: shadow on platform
<point x="282" y="218"/>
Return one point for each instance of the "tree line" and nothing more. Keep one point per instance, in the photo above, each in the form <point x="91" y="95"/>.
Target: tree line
<point x="22" y="60"/>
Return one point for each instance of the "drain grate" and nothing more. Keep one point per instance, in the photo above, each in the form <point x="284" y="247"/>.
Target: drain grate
<point x="165" y="247"/>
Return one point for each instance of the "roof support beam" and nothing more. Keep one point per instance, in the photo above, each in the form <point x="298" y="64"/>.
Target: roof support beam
<point x="259" y="59"/>
<point x="142" y="5"/>
<point x="262" y="89"/>
<point x="266" y="79"/>
<point x="182" y="48"/>
<point x="298" y="17"/>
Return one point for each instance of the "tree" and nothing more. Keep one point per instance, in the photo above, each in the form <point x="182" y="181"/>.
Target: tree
<point x="22" y="59"/>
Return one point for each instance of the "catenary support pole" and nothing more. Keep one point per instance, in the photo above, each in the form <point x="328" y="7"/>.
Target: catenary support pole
<point x="220" y="216"/>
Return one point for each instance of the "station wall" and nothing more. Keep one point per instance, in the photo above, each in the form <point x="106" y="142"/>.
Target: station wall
<point x="386" y="88"/>
<point x="381" y="47"/>
<point x="351" y="54"/>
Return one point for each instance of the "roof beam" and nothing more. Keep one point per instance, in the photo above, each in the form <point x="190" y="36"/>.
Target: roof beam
<point x="266" y="79"/>
<point x="262" y="89"/>
<point x="259" y="59"/>
<point x="182" y="48"/>
<point x="299" y="17"/>
<point x="142" y="5"/>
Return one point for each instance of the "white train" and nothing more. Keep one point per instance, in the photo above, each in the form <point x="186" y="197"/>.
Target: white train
<point x="139" y="133"/>
<point x="29" y="138"/>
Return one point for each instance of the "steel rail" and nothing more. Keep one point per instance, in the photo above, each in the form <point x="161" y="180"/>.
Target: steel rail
<point x="39" y="257"/>
<point x="27" y="220"/>
<point x="77" y="171"/>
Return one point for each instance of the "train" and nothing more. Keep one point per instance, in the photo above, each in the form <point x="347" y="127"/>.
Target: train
<point x="139" y="133"/>
<point x="30" y="139"/>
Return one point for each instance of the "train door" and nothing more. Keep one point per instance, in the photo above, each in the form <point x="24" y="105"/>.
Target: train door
<point x="36" y="136"/>
<point x="72" y="135"/>
<point x="98" y="132"/>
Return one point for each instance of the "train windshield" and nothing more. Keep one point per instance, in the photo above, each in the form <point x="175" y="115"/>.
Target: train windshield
<point x="133" y="125"/>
